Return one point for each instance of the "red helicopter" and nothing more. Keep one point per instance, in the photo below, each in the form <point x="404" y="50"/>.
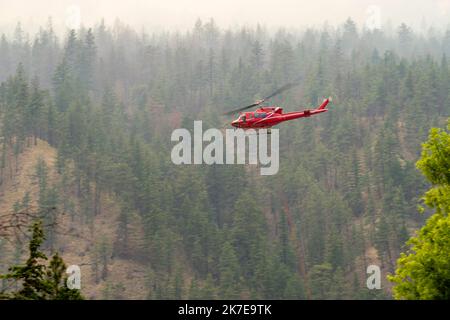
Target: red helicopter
<point x="267" y="117"/>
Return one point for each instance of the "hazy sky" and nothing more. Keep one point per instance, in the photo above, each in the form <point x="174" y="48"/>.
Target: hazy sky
<point x="179" y="14"/>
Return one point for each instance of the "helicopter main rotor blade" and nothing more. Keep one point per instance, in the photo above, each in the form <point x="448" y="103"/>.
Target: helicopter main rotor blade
<point x="257" y="103"/>
<point x="243" y="108"/>
<point x="282" y="89"/>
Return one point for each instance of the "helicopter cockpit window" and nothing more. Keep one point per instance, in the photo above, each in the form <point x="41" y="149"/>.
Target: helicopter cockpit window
<point x="243" y="118"/>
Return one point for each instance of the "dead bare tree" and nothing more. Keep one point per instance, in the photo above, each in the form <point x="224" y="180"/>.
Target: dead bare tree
<point x="15" y="224"/>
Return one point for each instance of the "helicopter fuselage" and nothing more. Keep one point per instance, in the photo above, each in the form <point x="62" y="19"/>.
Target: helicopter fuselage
<point x="267" y="117"/>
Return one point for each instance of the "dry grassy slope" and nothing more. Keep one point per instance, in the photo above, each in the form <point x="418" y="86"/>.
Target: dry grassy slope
<point x="76" y="241"/>
<point x="21" y="180"/>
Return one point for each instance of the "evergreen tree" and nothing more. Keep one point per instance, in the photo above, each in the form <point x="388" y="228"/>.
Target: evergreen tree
<point x="38" y="281"/>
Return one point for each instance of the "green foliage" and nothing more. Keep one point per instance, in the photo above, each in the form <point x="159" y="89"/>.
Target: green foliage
<point x="321" y="280"/>
<point x="38" y="281"/>
<point x="424" y="271"/>
<point x="435" y="157"/>
<point x="229" y="271"/>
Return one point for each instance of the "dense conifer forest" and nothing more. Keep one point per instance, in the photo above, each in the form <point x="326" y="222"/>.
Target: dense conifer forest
<point x="106" y="99"/>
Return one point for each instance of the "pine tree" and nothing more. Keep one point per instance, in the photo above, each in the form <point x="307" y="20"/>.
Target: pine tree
<point x="229" y="272"/>
<point x="321" y="279"/>
<point x="38" y="281"/>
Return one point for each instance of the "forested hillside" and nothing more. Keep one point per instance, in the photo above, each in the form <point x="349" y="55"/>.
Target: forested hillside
<point x="107" y="99"/>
